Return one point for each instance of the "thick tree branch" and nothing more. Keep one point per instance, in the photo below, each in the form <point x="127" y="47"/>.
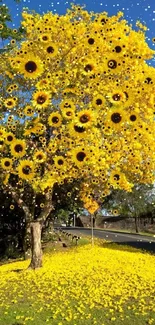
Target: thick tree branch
<point x="47" y="209"/>
<point x="9" y="189"/>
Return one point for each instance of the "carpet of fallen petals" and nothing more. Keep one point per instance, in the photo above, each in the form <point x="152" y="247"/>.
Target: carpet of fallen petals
<point x="106" y="279"/>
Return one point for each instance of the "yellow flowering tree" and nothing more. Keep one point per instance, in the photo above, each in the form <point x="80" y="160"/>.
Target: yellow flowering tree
<point x="77" y="102"/>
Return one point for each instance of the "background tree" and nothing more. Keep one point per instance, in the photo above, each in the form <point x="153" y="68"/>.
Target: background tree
<point x="132" y="204"/>
<point x="75" y="105"/>
<point x="6" y="32"/>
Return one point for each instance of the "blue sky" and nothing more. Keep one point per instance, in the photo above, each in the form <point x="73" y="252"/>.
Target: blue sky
<point x="143" y="10"/>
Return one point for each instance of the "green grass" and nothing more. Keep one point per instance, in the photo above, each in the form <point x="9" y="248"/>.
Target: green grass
<point x="57" y="246"/>
<point x="83" y="241"/>
<point x="97" y="317"/>
<point x="24" y="313"/>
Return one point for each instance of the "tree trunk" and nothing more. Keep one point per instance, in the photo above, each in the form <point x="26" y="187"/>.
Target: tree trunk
<point x="27" y="242"/>
<point x="49" y="225"/>
<point x="36" y="260"/>
<point x="33" y="227"/>
<point x="136" y="224"/>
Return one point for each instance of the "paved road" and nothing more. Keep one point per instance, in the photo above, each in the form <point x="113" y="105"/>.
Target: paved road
<point x="143" y="242"/>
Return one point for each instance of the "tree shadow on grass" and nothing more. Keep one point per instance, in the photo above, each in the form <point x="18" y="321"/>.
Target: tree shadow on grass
<point x="131" y="246"/>
<point x="18" y="270"/>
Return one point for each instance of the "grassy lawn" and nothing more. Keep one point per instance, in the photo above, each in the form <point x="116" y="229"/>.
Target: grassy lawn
<point x="83" y="285"/>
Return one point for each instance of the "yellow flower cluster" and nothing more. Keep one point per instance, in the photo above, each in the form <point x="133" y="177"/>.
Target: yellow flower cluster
<point x="81" y="103"/>
<point x="106" y="280"/>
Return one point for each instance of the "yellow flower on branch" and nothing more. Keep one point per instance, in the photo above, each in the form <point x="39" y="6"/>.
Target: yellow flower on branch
<point x="6" y="163"/>
<point x="67" y="104"/>
<point x="116" y="97"/>
<point x="10" y="102"/>
<point x="39" y="156"/>
<point x="79" y="156"/>
<point x="68" y="113"/>
<point x="18" y="148"/>
<point x="31" y="66"/>
<point x="51" y="50"/>
<point x="85" y="118"/>
<point x="115" y="117"/>
<point x="41" y="99"/>
<point x="26" y="169"/>
<point x="59" y="162"/>
<point x="29" y="111"/>
<point x="55" y="119"/>
<point x="98" y="101"/>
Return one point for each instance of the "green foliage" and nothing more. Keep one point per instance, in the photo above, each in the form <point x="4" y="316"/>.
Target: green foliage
<point x="129" y="204"/>
<point x="5" y="31"/>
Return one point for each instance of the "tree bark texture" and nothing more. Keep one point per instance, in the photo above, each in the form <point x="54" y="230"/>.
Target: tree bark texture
<point x="27" y="242"/>
<point x="36" y="260"/>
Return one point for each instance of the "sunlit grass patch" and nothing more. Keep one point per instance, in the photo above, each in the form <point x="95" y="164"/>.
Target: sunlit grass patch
<point x="88" y="285"/>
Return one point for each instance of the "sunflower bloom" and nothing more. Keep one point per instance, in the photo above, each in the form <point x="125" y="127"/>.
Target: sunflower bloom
<point x="29" y="111"/>
<point x="59" y="161"/>
<point x="6" y="163"/>
<point x="26" y="169"/>
<point x="85" y="118"/>
<point x="31" y="66"/>
<point x="55" y="119"/>
<point x="39" y="156"/>
<point x="98" y="101"/>
<point x="67" y="104"/>
<point x="117" y="97"/>
<point x="51" y="50"/>
<point x="68" y="114"/>
<point x="79" y="156"/>
<point x="115" y="118"/>
<point x="18" y="148"/>
<point x="41" y="99"/>
<point x="10" y="102"/>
